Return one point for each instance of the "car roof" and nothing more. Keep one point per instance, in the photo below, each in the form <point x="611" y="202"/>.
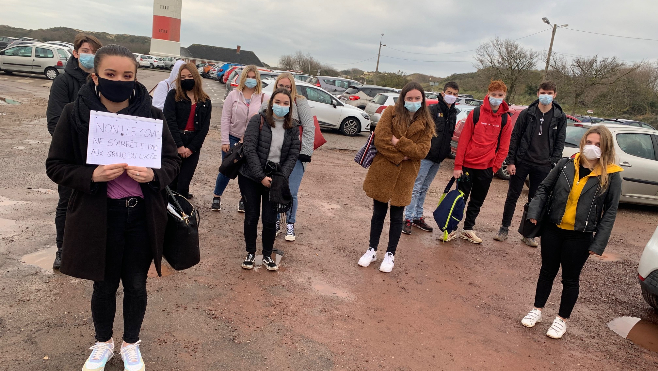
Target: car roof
<point x="616" y="127"/>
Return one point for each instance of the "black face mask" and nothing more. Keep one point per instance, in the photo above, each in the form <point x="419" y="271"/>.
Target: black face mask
<point x="187" y="84"/>
<point x="115" y="91"/>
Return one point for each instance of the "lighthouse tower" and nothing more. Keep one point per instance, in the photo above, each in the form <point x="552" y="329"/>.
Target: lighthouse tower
<point x="166" y="27"/>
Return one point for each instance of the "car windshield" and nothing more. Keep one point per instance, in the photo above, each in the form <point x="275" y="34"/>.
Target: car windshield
<point x="380" y="99"/>
<point x="574" y="134"/>
<point x="352" y="91"/>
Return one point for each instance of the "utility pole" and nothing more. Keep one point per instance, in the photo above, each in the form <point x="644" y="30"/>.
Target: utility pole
<point x="550" y="48"/>
<point x="378" y="55"/>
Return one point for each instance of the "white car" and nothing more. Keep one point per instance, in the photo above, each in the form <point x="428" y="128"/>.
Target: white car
<point x="648" y="272"/>
<point x="331" y="113"/>
<point x="149" y="61"/>
<point x="378" y="104"/>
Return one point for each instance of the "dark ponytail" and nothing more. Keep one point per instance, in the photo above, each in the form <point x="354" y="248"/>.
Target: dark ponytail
<point x="115" y="50"/>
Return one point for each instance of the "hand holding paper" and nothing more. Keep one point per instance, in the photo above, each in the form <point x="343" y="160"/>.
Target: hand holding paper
<point x="140" y="174"/>
<point x="106" y="173"/>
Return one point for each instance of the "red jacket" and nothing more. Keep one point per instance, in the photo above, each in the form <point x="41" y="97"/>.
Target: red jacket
<point x="477" y="148"/>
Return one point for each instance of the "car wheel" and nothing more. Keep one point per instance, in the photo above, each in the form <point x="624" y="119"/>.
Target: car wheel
<point x="502" y="172"/>
<point x="350" y="126"/>
<point x="51" y="73"/>
<point x="152" y="66"/>
<point x="650" y="298"/>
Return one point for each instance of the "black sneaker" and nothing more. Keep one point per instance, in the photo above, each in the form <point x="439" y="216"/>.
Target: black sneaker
<point x="420" y="224"/>
<point x="216" y="204"/>
<point x="248" y="262"/>
<point x="241" y="206"/>
<point x="58" y="259"/>
<point x="407" y="227"/>
<point x="502" y="234"/>
<point x="270" y="264"/>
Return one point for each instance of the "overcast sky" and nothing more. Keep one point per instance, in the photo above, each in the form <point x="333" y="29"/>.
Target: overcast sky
<point x="435" y="37"/>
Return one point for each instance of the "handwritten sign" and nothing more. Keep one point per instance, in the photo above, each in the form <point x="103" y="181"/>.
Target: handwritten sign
<point x="116" y="139"/>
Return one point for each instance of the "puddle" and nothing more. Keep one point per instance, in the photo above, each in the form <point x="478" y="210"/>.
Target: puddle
<point x="326" y="289"/>
<point x="42" y="259"/>
<point x="9" y="100"/>
<point x="607" y="257"/>
<point x="639" y="331"/>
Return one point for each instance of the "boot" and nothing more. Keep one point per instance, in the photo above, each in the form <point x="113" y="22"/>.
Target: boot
<point x="58" y="259"/>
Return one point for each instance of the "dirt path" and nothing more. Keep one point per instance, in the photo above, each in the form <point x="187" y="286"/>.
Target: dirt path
<point x="444" y="307"/>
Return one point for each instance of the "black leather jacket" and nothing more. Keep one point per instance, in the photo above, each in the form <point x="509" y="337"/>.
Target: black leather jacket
<point x="445" y="119"/>
<point x="524" y="128"/>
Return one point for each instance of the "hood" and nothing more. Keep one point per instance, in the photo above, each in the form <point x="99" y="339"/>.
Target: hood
<point x="504" y="108"/>
<point x="73" y="69"/>
<point x="558" y="112"/>
<point x="173" y="75"/>
<point x="611" y="168"/>
<point x="88" y="100"/>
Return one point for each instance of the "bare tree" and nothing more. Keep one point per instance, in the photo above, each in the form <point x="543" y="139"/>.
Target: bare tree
<point x="287" y="62"/>
<point x="505" y="60"/>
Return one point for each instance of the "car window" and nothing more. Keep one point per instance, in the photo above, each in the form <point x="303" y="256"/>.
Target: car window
<point x="380" y="99"/>
<point x="43" y="53"/>
<point x="647" y="126"/>
<point x="352" y="91"/>
<point x="639" y="145"/>
<point x="329" y="82"/>
<point x="342" y="84"/>
<point x="395" y="99"/>
<point x="19" y="51"/>
<point x="574" y="134"/>
<point x="316" y="95"/>
<point x="62" y="53"/>
<point x="570" y="120"/>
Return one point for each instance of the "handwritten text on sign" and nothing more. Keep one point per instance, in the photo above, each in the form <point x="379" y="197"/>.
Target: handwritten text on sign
<point x="116" y="139"/>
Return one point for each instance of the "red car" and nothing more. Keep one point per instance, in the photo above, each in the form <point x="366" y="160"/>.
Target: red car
<point x="228" y="73"/>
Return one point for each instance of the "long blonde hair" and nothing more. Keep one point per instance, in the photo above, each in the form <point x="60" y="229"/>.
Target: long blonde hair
<point x="243" y="78"/>
<point x="608" y="154"/>
<point x="293" y="90"/>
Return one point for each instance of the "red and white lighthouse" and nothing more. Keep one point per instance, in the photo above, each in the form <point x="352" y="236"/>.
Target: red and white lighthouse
<point x="166" y="27"/>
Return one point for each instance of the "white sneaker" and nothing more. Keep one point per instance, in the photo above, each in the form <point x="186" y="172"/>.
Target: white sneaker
<point x="101" y="353"/>
<point x="278" y="228"/>
<point x="471" y="237"/>
<point x="387" y="263"/>
<point x="369" y="257"/>
<point x="558" y="328"/>
<point x="290" y="232"/>
<point x="132" y="357"/>
<point x="531" y="319"/>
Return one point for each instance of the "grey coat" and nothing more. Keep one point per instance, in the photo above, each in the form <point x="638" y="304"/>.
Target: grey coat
<point x="596" y="210"/>
<point x="303" y="116"/>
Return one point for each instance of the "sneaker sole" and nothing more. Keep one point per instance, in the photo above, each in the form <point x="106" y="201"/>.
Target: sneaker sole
<point x="211" y="209"/>
<point x="385" y="271"/>
<point x="423" y="229"/>
<point x="554" y="337"/>
<point x="272" y="269"/>
<point x="529" y="245"/>
<point x="367" y="265"/>
<point x="530" y="326"/>
<point x="470" y="239"/>
<point x="249" y="267"/>
<point x="290" y="238"/>
<point x="406" y="232"/>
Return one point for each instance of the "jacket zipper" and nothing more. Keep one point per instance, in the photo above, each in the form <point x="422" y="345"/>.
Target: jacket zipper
<point x="589" y="212"/>
<point x="568" y="183"/>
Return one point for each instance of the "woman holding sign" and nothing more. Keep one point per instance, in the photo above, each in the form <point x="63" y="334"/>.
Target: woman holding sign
<point x="117" y="214"/>
<point x="187" y="111"/>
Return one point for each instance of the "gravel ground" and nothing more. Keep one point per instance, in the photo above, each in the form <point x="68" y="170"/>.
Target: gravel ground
<point x="449" y="306"/>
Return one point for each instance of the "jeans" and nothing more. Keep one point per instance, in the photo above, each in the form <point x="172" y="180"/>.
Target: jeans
<point x="128" y="257"/>
<point x="426" y="174"/>
<point x="60" y="213"/>
<point x="477" y="187"/>
<point x="377" y="225"/>
<point x="253" y="193"/>
<point x="569" y="249"/>
<point x="222" y="180"/>
<point x="294" y="182"/>
<point x="181" y="183"/>
<point x="537" y="175"/>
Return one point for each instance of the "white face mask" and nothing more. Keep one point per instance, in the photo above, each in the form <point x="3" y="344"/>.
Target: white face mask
<point x="449" y="99"/>
<point x="591" y="152"/>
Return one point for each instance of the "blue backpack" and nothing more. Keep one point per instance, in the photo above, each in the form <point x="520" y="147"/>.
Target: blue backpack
<point x="450" y="210"/>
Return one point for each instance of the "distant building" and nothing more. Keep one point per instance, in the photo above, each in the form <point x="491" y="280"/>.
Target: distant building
<point x="214" y="53"/>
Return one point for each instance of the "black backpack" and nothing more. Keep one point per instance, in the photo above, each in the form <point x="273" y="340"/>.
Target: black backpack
<point x="476" y="119"/>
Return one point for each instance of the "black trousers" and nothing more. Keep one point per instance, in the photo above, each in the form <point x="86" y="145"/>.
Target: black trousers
<point x="127" y="259"/>
<point x="181" y="183"/>
<point x="569" y="249"/>
<point x="256" y="195"/>
<point x="475" y="188"/>
<point x="377" y="225"/>
<point x="537" y="175"/>
<point x="60" y="213"/>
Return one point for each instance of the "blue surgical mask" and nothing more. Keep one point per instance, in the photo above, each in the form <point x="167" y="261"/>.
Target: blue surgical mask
<point x="545" y="99"/>
<point x="86" y="60"/>
<point x="495" y="102"/>
<point x="250" y="83"/>
<point x="280" y="111"/>
<point x="412" y="106"/>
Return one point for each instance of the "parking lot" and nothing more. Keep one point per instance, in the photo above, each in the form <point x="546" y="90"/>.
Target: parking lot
<point x="444" y="307"/>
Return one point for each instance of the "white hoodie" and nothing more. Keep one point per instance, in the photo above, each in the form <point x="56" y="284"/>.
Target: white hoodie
<point x="164" y="86"/>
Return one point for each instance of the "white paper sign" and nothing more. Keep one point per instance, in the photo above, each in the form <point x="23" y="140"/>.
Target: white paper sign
<point x="116" y="139"/>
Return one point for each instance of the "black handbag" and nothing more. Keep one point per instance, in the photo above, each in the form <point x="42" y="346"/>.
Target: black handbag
<point x="526" y="228"/>
<point x="233" y="161"/>
<point x="181" y="243"/>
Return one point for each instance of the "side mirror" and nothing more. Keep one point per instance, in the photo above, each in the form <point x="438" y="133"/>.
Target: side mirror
<point x="334" y="103"/>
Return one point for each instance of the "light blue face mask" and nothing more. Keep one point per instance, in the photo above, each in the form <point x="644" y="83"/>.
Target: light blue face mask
<point x="545" y="99"/>
<point x="495" y="102"/>
<point x="413" y="106"/>
<point x="250" y="83"/>
<point x="280" y="111"/>
<point x="86" y="61"/>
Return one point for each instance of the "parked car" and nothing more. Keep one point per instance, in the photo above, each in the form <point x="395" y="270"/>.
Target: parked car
<point x="235" y="79"/>
<point x="648" y="271"/>
<point x="382" y="100"/>
<point x="637" y="153"/>
<point x="167" y="62"/>
<point x="332" y="84"/>
<point x="39" y="58"/>
<point x="5" y="41"/>
<point x="62" y="44"/>
<point x="223" y="69"/>
<point x="589" y="119"/>
<point x="635" y="123"/>
<point x="149" y="61"/>
<point x="301" y="77"/>
<point x="359" y="96"/>
<point x="331" y="113"/>
<point x="227" y="74"/>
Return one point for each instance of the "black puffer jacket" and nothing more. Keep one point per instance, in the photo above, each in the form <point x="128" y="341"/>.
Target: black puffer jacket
<point x="177" y="113"/>
<point x="445" y="119"/>
<point x="257" y="143"/>
<point x="63" y="91"/>
<point x="524" y="129"/>
<point x="596" y="210"/>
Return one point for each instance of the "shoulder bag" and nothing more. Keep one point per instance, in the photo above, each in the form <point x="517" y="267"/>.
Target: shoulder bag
<point x="181" y="243"/>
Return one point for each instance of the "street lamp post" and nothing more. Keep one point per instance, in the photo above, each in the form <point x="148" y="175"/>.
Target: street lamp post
<point x="378" y="55"/>
<point x="550" y="48"/>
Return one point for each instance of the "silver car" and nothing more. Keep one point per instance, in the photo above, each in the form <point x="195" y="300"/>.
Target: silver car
<point x="332" y="84"/>
<point x="39" y="58"/>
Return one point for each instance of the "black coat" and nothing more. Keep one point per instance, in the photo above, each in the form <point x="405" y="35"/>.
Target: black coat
<point x="445" y="119"/>
<point x="64" y="90"/>
<point x="257" y="143"/>
<point x="177" y="114"/>
<point x="596" y="210"/>
<point x="85" y="234"/>
<point x="525" y="127"/>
